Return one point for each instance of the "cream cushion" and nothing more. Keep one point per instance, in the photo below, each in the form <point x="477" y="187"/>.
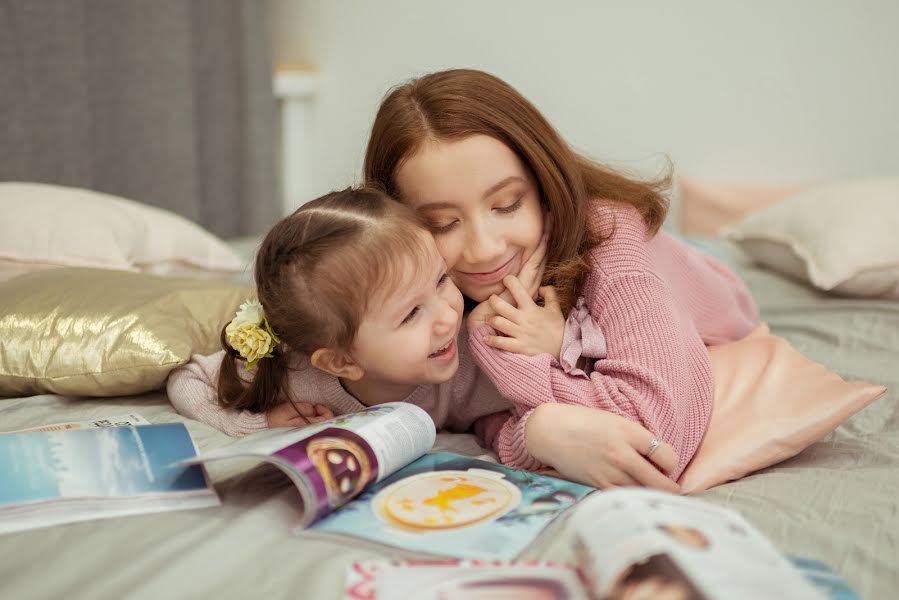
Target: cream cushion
<point x="46" y="226"/>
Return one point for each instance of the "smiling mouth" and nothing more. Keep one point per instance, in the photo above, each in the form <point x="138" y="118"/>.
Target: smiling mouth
<point x="487" y="276"/>
<point x="444" y="350"/>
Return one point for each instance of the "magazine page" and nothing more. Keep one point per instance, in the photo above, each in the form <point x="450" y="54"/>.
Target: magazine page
<point x="643" y="543"/>
<point x="114" y="421"/>
<point x="452" y="505"/>
<point x="462" y="580"/>
<point x="333" y="461"/>
<point x="51" y="477"/>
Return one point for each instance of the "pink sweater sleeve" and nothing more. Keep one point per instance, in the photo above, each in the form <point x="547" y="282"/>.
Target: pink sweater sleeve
<point x="192" y="391"/>
<point x="654" y="372"/>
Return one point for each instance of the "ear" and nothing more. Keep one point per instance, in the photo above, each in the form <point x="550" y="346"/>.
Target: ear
<point x="337" y="363"/>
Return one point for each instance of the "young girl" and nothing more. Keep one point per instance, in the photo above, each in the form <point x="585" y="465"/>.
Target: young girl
<point x="355" y="309"/>
<point x="483" y="167"/>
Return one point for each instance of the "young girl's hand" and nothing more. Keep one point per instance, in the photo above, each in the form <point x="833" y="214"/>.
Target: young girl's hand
<point x="527" y="329"/>
<point x="297" y="414"/>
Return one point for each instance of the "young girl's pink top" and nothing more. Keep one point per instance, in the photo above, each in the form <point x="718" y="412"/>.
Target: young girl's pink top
<point x="455" y="405"/>
<point x="648" y="309"/>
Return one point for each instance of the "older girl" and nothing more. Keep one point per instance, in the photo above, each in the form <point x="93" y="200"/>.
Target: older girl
<point x="484" y="168"/>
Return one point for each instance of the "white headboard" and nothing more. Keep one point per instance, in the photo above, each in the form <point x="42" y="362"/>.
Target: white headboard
<point x="294" y="87"/>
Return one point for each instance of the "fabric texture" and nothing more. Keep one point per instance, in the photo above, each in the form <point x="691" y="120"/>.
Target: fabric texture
<point x="658" y="303"/>
<point x="770" y="403"/>
<point x="706" y="207"/>
<point x="169" y="103"/>
<point x="82" y="228"/>
<point x="839" y="238"/>
<point x="454" y="406"/>
<point x="93" y="332"/>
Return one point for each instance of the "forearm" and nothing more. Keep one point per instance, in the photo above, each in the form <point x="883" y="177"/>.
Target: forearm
<point x="192" y="391"/>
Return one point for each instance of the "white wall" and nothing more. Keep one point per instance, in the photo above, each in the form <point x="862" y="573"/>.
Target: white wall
<point x="765" y="91"/>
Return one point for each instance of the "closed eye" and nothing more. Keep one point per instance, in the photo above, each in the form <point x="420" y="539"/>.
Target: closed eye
<point x="443" y="279"/>
<point x="512" y="207"/>
<point x="412" y="314"/>
<point x="438" y="229"/>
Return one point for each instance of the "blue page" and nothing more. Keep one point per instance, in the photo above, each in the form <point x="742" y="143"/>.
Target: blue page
<point x="97" y="463"/>
<point x="454" y="505"/>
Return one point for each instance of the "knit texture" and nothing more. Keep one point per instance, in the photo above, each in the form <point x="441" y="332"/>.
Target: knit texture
<point x="658" y="302"/>
<point x="454" y="405"/>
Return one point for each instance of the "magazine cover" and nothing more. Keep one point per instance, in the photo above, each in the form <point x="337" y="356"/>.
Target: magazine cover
<point x="453" y="505"/>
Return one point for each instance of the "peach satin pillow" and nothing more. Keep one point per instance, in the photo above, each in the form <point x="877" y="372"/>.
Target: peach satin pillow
<point x="770" y="403"/>
<point x="707" y="207"/>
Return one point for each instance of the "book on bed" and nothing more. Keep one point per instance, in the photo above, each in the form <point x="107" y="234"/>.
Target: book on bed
<point x="369" y="475"/>
<point x="628" y="543"/>
<point x="85" y="471"/>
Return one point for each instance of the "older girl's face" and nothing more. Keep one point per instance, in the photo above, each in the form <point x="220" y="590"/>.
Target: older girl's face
<point x="481" y="204"/>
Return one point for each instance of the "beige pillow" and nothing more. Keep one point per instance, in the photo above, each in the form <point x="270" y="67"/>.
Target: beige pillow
<point x="96" y="332"/>
<point x="840" y="237"/>
<point x="48" y="226"/>
<point x="770" y="403"/>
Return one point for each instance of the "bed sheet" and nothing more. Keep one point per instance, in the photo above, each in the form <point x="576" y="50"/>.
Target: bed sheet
<point x="836" y="501"/>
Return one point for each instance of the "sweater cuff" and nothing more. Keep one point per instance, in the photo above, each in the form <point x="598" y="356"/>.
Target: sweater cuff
<point x="523" y="380"/>
<point x="512" y="446"/>
<point x="248" y="422"/>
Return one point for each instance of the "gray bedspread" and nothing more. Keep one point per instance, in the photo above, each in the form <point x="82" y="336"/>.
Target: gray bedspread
<point x="836" y="501"/>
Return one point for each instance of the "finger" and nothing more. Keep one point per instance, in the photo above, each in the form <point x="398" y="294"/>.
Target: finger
<point x="323" y="411"/>
<point x="503" y="343"/>
<point x="664" y="456"/>
<point x="503" y="308"/>
<point x="640" y="469"/>
<point x="519" y="293"/>
<point x="620" y="478"/>
<point x="550" y="298"/>
<point x="503" y="325"/>
<point x="304" y="409"/>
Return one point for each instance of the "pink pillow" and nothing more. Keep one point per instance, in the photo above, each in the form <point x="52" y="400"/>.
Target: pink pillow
<point x="707" y="207"/>
<point x="770" y="403"/>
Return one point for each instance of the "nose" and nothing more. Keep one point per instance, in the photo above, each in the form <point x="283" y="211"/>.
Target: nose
<point x="482" y="245"/>
<point x="446" y="317"/>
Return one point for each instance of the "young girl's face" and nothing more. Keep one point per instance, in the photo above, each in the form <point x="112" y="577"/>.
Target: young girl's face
<point x="482" y="206"/>
<point x="409" y="335"/>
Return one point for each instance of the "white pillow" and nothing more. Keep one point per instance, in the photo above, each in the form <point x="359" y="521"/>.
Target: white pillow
<point x="46" y="226"/>
<point x="842" y="237"/>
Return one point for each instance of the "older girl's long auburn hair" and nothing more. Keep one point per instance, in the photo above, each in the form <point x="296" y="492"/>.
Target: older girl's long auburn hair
<point x="317" y="273"/>
<point x="452" y="105"/>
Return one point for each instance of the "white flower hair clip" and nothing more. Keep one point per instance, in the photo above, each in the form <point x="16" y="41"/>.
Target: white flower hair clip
<point x="250" y="334"/>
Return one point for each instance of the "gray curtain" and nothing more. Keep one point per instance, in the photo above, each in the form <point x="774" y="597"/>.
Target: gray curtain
<point x="167" y="102"/>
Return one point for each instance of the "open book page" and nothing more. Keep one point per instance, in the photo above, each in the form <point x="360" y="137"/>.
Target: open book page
<point x="333" y="461"/>
<point x="447" y="504"/>
<point x="637" y="541"/>
<point x="462" y="580"/>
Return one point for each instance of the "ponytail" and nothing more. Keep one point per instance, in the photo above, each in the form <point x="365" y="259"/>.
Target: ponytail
<point x="257" y="394"/>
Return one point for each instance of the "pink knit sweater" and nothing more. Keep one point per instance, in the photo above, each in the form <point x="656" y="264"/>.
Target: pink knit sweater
<point x="648" y="309"/>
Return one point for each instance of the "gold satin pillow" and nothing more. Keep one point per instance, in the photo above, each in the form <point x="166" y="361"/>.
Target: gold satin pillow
<point x="97" y="332"/>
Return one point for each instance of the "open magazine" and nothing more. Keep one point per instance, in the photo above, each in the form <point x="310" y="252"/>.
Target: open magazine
<point x="369" y="475"/>
<point x="628" y="544"/>
<point x="87" y="470"/>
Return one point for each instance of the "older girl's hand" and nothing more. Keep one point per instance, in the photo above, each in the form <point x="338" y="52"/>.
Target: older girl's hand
<point x="297" y="414"/>
<point x="530" y="276"/>
<point x="597" y="448"/>
<point x="527" y="328"/>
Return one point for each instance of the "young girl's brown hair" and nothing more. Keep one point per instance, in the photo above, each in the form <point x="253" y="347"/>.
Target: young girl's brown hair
<point x="452" y="105"/>
<point x="318" y="271"/>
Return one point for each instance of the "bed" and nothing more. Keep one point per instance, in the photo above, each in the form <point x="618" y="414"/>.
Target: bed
<point x="836" y="501"/>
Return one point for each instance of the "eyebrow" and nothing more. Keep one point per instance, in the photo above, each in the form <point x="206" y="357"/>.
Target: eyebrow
<point x="490" y="191"/>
